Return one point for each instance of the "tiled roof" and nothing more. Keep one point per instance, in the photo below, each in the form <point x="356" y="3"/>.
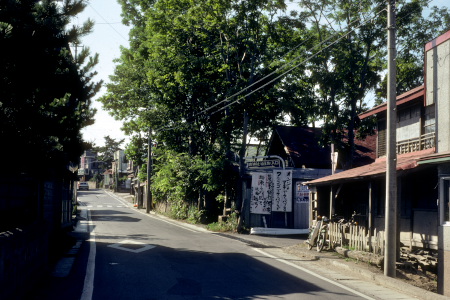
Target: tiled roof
<point x="301" y="143"/>
<point x="414" y="94"/>
<point x="378" y="168"/>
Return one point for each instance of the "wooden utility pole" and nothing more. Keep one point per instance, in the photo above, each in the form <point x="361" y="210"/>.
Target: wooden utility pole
<point x="390" y="252"/>
<point x="242" y="169"/>
<point x="149" y="173"/>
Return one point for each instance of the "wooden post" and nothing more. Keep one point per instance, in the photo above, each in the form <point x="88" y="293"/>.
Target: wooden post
<point x="369" y="221"/>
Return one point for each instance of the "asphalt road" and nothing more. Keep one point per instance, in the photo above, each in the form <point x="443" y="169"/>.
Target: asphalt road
<point x="132" y="255"/>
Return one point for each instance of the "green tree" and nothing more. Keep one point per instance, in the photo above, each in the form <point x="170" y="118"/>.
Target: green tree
<point x="187" y="57"/>
<point x="106" y="152"/>
<point x="349" y="62"/>
<point x="45" y="93"/>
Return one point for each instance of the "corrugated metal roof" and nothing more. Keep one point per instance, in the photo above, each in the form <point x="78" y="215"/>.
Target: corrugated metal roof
<point x="378" y="168"/>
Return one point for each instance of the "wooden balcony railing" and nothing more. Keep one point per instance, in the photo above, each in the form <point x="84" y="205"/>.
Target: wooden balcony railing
<point x="425" y="141"/>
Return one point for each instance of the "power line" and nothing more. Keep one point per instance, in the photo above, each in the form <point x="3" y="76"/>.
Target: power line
<point x="286" y="65"/>
<point x="296" y="66"/>
<point x="107" y="23"/>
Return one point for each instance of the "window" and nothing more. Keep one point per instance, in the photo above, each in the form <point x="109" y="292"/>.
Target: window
<point x="429" y="120"/>
<point x="381" y="145"/>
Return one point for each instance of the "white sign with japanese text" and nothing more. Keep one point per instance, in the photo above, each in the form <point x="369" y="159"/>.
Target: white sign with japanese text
<point x="262" y="193"/>
<point x="282" y="190"/>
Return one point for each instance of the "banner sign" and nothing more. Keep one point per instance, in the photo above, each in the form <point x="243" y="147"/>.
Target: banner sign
<point x="282" y="191"/>
<point x="261" y="199"/>
<point x="275" y="163"/>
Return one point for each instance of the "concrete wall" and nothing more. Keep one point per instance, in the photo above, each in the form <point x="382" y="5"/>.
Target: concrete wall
<point x="438" y="90"/>
<point x="444" y="256"/>
<point x="437" y="74"/>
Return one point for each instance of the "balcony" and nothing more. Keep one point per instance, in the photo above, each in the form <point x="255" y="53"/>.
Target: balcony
<point x="425" y="141"/>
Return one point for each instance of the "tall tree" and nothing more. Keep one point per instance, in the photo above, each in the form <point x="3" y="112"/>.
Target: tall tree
<point x="348" y="64"/>
<point x="194" y="56"/>
<point x="45" y="93"/>
<point x="106" y="152"/>
<point x="186" y="63"/>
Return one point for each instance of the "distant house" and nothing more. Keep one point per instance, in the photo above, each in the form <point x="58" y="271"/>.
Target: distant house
<point x="89" y="165"/>
<point x="121" y="169"/>
<point x="304" y="159"/>
<point x="423" y="167"/>
<point x="108" y="178"/>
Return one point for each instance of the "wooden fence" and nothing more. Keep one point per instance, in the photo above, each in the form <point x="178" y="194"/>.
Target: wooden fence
<point x="355" y="237"/>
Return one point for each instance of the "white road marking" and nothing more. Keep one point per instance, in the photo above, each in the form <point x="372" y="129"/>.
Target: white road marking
<point x="88" y="287"/>
<point x="314" y="274"/>
<point x="121" y="244"/>
<point x="185" y="226"/>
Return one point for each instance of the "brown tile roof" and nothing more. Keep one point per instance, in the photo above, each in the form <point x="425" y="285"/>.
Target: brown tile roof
<point x="302" y="146"/>
<point x="378" y="168"/>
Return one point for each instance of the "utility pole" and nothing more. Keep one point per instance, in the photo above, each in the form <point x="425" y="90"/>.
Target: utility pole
<point x="242" y="168"/>
<point x="76" y="46"/>
<point x="390" y="251"/>
<point x="149" y="172"/>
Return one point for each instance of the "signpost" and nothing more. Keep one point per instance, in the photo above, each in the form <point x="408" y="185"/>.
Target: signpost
<point x="263" y="164"/>
<point x="273" y="163"/>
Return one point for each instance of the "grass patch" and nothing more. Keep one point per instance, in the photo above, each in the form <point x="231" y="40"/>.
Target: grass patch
<point x="229" y="225"/>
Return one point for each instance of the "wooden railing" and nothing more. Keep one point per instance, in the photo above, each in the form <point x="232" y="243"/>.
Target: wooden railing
<point x="425" y="141"/>
<point x="355" y="237"/>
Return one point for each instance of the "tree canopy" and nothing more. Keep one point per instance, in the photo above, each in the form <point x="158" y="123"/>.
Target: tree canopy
<point x="45" y="93"/>
<point x="106" y="152"/>
<point x="194" y="69"/>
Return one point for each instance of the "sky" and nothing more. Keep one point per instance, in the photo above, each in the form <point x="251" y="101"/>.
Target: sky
<point x="108" y="35"/>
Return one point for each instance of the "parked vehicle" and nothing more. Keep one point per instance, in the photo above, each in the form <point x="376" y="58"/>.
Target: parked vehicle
<point x="83" y="186"/>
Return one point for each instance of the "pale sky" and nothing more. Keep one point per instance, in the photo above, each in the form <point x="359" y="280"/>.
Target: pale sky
<point x="108" y="35"/>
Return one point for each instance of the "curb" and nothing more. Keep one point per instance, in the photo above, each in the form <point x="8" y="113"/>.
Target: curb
<point x="382" y="280"/>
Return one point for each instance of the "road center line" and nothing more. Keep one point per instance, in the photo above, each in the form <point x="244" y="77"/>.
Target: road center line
<point x="314" y="274"/>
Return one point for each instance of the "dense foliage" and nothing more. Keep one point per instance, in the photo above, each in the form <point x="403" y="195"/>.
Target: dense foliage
<point x="106" y="152"/>
<point x="45" y="92"/>
<point x="201" y="74"/>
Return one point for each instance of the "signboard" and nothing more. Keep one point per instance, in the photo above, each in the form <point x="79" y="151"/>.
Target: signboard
<point x="262" y="193"/>
<point x="302" y="193"/>
<point x="282" y="190"/>
<point x="83" y="172"/>
<point x="271" y="192"/>
<point x="275" y="163"/>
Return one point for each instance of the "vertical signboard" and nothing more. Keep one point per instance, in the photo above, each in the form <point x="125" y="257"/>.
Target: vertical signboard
<point x="261" y="200"/>
<point x="282" y="191"/>
<point x="302" y="193"/>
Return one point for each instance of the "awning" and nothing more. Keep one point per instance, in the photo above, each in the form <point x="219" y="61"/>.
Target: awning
<point x="378" y="168"/>
<point x="437" y="158"/>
